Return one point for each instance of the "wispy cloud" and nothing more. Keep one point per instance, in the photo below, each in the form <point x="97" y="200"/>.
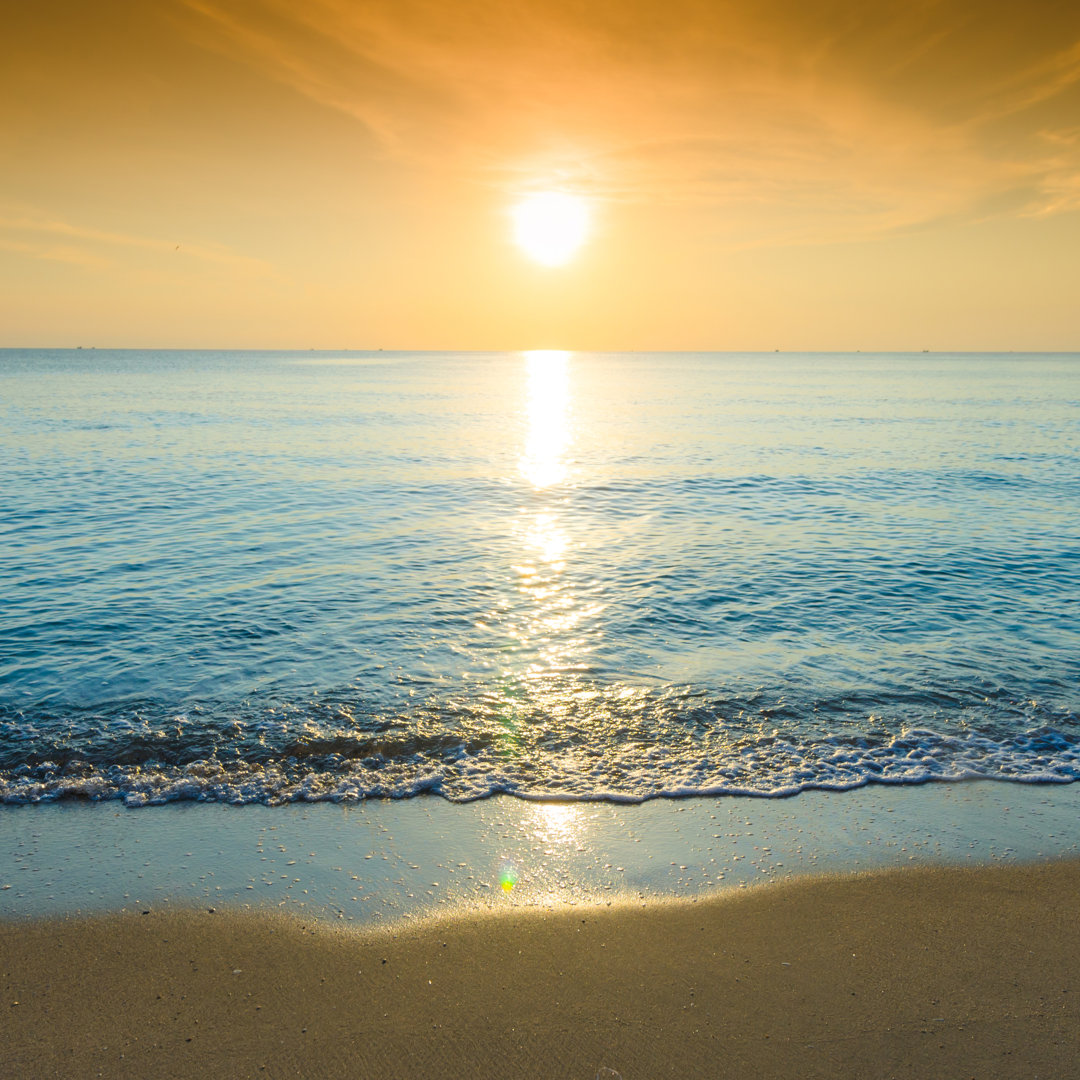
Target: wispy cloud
<point x="52" y="252"/>
<point x="1059" y="184"/>
<point x="33" y="233"/>
<point x="792" y="122"/>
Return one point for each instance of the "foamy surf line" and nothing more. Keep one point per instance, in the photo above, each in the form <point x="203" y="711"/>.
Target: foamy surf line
<point x="771" y="765"/>
<point x="383" y="861"/>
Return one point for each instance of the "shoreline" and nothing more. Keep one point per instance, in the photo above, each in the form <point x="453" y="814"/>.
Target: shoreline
<point x="948" y="971"/>
<point x="391" y="861"/>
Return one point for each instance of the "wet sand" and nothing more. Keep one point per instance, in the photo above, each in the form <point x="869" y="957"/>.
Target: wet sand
<point x="380" y="861"/>
<point x="903" y="973"/>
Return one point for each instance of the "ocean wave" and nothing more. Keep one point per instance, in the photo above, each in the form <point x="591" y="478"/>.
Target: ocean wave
<point x="768" y="766"/>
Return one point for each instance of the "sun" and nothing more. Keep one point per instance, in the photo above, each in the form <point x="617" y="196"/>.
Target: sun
<point x="550" y="226"/>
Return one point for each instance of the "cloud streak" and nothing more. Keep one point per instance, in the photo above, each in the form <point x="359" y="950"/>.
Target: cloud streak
<point x="34" y="233"/>
<point x="840" y="121"/>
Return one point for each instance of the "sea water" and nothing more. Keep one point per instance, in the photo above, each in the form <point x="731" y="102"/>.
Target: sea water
<point x="271" y="577"/>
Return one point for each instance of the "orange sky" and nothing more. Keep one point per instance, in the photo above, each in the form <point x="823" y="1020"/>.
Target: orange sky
<point x="762" y="173"/>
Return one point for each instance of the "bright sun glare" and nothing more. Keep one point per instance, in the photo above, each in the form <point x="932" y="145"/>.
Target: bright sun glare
<point x="550" y="226"/>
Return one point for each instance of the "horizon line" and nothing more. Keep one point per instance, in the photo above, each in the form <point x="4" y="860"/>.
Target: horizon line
<point x="368" y="350"/>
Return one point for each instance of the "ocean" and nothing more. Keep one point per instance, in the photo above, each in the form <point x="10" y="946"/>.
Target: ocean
<point x="270" y="577"/>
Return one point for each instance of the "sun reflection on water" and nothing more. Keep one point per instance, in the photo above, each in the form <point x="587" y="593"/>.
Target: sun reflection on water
<point x="539" y="866"/>
<point x="546" y="538"/>
<point x="551" y="611"/>
<point x="546" y="614"/>
<point x="557" y="823"/>
<point x="546" y="411"/>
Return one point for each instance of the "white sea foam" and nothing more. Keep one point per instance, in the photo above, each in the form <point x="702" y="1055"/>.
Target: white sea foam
<point x="781" y="768"/>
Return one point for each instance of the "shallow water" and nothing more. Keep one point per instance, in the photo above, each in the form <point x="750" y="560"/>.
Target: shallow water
<point x="280" y="576"/>
<point x="385" y="860"/>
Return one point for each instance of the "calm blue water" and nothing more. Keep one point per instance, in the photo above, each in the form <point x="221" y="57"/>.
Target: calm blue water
<point x="281" y="576"/>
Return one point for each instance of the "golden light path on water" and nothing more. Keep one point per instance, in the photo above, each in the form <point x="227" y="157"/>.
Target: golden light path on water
<point x="554" y="836"/>
<point x="548" y="626"/>
<point x="547" y="406"/>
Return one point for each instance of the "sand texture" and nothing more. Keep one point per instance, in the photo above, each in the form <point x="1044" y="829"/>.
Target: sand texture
<point x="911" y="973"/>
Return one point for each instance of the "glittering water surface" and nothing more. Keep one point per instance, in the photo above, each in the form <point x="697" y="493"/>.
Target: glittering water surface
<point x="275" y="576"/>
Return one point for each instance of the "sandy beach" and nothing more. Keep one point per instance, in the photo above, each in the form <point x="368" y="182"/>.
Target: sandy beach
<point x="914" y="972"/>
